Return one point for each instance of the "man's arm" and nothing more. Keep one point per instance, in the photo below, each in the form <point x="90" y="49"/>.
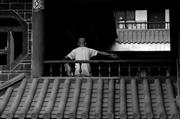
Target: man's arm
<point x="67" y="66"/>
<point x="108" y="54"/>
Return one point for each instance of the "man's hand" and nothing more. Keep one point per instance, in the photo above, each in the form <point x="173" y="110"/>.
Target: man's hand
<point x="68" y="69"/>
<point x="115" y="56"/>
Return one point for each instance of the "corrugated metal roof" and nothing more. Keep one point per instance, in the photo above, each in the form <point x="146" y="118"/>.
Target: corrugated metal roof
<point x="129" y="97"/>
<point x="143" y="36"/>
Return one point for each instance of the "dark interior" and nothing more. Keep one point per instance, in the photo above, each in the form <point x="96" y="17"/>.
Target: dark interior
<point x="95" y="21"/>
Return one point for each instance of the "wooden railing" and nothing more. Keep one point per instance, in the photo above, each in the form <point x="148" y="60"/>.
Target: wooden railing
<point x="142" y="25"/>
<point x="110" y="68"/>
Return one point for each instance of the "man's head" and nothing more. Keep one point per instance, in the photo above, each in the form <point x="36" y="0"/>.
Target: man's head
<point x="81" y="42"/>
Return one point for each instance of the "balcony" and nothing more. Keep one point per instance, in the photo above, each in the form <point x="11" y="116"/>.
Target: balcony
<point x="143" y="35"/>
<point x="132" y="93"/>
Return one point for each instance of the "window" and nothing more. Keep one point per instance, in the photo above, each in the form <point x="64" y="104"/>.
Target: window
<point x="13" y="37"/>
<point x="142" y="30"/>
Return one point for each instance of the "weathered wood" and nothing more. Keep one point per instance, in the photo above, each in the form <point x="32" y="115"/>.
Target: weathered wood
<point x="72" y="114"/>
<point x="12" y="81"/>
<point x="51" y="99"/>
<point x="136" y="114"/>
<point x="63" y="100"/>
<point x="147" y="100"/>
<point x="38" y="41"/>
<point x="29" y="99"/>
<point x="40" y="100"/>
<point x="17" y="99"/>
<point x="160" y="105"/>
<point x="99" y="99"/>
<point x="123" y="99"/>
<point x="5" y="99"/>
<point x="110" y="114"/>
<point x="174" y="111"/>
<point x="87" y="99"/>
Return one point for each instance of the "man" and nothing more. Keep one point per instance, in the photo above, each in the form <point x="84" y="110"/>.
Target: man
<point x="83" y="53"/>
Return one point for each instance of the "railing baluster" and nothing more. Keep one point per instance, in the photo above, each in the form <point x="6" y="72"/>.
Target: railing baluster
<point x="60" y="69"/>
<point x="119" y="69"/>
<point x="109" y="70"/>
<point x="99" y="68"/>
<point x="51" y="69"/>
<point x="129" y="70"/>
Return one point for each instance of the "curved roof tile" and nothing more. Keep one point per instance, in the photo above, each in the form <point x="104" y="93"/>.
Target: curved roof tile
<point x="90" y="98"/>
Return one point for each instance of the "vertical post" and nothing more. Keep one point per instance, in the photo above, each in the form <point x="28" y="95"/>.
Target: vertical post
<point x="176" y="45"/>
<point x="38" y="37"/>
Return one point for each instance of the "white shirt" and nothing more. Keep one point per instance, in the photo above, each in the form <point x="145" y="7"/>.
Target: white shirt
<point x="82" y="53"/>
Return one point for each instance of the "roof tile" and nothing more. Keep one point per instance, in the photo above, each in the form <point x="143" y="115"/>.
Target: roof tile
<point x="90" y="98"/>
<point x="127" y="36"/>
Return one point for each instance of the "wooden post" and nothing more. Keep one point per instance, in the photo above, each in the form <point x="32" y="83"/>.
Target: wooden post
<point x="176" y="45"/>
<point x="38" y="37"/>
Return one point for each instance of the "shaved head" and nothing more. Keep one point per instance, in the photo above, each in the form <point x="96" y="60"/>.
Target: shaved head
<point x="82" y="41"/>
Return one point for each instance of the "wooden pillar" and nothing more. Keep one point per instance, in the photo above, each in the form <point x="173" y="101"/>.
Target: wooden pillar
<point x="38" y="37"/>
<point x="176" y="35"/>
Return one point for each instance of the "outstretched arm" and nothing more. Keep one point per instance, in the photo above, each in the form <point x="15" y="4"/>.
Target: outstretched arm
<point x="108" y="54"/>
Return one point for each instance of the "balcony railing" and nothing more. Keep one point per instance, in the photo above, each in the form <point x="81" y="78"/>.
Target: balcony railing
<point x="142" y="25"/>
<point x="114" y="68"/>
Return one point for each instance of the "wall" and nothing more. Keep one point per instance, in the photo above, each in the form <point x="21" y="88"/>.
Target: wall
<point x="24" y="9"/>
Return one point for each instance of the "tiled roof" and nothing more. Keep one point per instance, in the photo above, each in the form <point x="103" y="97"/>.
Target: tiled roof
<point x="90" y="98"/>
<point x="143" y="36"/>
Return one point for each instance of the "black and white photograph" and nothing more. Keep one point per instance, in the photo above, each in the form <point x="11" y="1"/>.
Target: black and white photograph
<point x="89" y="59"/>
